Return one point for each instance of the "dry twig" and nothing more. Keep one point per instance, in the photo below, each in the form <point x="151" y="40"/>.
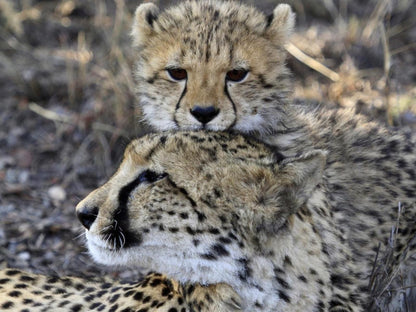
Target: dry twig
<point x="51" y="115"/>
<point x="312" y="63"/>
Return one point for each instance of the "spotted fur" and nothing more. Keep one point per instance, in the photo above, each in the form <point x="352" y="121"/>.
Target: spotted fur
<point x="23" y="291"/>
<point x="286" y="233"/>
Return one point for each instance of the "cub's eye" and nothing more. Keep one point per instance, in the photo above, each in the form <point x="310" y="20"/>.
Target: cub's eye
<point x="236" y="75"/>
<point x="150" y="176"/>
<point x="177" y="73"/>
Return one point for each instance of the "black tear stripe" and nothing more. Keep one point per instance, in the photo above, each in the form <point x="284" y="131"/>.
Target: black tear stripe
<point x="179" y="103"/>
<point x="233" y="105"/>
<point x="123" y="196"/>
<point x="121" y="217"/>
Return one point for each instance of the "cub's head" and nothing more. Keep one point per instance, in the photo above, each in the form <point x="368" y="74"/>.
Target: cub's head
<point x="212" y="64"/>
<point x="193" y="204"/>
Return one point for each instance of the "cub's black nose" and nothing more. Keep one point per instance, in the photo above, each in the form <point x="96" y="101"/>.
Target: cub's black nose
<point x="204" y="114"/>
<point x="87" y="216"/>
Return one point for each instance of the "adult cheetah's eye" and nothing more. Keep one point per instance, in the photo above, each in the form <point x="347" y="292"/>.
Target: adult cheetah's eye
<point x="236" y="75"/>
<point x="177" y="73"/>
<point x="150" y="176"/>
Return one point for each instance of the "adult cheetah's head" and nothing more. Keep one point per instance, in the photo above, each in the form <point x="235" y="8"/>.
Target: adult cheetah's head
<point x="192" y="204"/>
<point x="212" y="65"/>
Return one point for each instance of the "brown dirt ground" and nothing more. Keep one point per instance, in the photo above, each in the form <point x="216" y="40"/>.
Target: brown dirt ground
<point x="67" y="104"/>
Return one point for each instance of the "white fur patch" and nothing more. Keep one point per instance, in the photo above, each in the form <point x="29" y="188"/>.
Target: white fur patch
<point x="248" y="124"/>
<point x="158" y="118"/>
<point x="186" y="265"/>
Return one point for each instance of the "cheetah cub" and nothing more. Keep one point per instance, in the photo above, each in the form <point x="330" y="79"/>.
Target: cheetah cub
<point x="220" y="65"/>
<point x="212" y="65"/>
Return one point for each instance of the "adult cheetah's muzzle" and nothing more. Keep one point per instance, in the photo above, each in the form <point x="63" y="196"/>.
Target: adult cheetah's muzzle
<point x="87" y="215"/>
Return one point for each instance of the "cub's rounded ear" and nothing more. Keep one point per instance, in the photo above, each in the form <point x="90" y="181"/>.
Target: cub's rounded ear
<point x="143" y="24"/>
<point x="280" y="23"/>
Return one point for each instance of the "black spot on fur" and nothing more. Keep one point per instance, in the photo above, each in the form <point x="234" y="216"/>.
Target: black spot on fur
<point x="76" y="308"/>
<point x="201" y="216"/>
<point x="12" y="272"/>
<point x="138" y="296"/>
<point x="282" y="282"/>
<point x="245" y="273"/>
<point x="340" y="281"/>
<point x="15" y="293"/>
<point x="7" y="305"/>
<point x="165" y="292"/>
<point x="25" y="278"/>
<point x="219" y="250"/>
<point x="284" y="296"/>
<point x="184" y="215"/>
<point x="214" y="231"/>
<point x="209" y="256"/>
<point x="287" y="261"/>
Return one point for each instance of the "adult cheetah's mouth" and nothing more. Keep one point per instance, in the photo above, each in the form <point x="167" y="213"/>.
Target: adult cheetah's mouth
<point x="113" y="241"/>
<point x="97" y="242"/>
<point x="106" y="254"/>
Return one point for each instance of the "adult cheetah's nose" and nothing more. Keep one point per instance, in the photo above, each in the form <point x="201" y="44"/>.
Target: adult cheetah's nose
<point x="204" y="114"/>
<point x="87" y="216"/>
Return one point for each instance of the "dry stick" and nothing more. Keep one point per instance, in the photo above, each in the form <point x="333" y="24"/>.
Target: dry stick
<point x="51" y="115"/>
<point x="332" y="8"/>
<point x="48" y="114"/>
<point x="376" y="16"/>
<point x="404" y="287"/>
<point x="376" y="21"/>
<point x="387" y="65"/>
<point x="399" y="28"/>
<point x="372" y="281"/>
<point x="403" y="48"/>
<point x="312" y="63"/>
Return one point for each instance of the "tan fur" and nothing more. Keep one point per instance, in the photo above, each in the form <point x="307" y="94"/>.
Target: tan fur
<point x="24" y="291"/>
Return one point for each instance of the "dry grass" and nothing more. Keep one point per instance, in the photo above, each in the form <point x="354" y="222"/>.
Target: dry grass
<point x="362" y="58"/>
<point x="389" y="283"/>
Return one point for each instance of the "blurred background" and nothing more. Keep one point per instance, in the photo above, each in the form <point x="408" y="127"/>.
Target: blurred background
<point x="67" y="104"/>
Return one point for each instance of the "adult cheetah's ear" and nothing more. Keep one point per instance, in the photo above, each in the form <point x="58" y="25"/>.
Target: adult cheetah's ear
<point x="300" y="176"/>
<point x="285" y="190"/>
<point x="143" y="23"/>
<point x="280" y="24"/>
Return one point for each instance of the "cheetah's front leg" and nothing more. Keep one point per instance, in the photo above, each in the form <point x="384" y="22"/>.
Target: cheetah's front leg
<point x="213" y="298"/>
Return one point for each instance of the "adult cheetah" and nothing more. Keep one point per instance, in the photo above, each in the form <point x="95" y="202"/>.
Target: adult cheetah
<point x="215" y="207"/>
